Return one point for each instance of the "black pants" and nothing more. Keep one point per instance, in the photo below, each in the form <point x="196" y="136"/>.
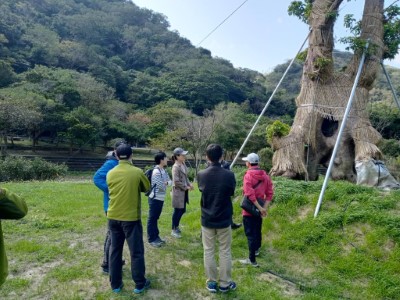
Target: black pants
<point x="252" y="229"/>
<point x="178" y="213"/>
<point x="155" y="209"/>
<point x="132" y="232"/>
<point x="107" y="244"/>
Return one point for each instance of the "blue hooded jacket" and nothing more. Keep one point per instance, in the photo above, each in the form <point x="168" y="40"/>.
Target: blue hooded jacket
<point x="100" y="177"/>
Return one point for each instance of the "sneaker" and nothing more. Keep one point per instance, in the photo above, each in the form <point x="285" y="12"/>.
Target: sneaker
<point x="212" y="286"/>
<point x="176" y="234"/>
<point x="161" y="241"/>
<point x="248" y="262"/>
<point x="231" y="287"/>
<point x="118" y="290"/>
<point x="106" y="271"/>
<point x="258" y="252"/>
<point x="178" y="230"/>
<point x="155" y="244"/>
<point x="146" y="285"/>
<point x="236" y="225"/>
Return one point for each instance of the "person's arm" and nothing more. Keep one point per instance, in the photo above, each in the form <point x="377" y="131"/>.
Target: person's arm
<point x="188" y="183"/>
<point x="269" y="189"/>
<point x="232" y="184"/>
<point x="199" y="182"/>
<point x="100" y="176"/>
<point x="269" y="192"/>
<point x="11" y="205"/>
<point x="144" y="185"/>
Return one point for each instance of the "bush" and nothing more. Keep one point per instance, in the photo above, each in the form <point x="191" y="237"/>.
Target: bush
<point x="390" y="147"/>
<point x="14" y="168"/>
<point x="266" y="158"/>
<point x="277" y="129"/>
<point x="393" y="165"/>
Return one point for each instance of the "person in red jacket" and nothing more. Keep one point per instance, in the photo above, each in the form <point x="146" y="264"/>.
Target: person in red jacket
<point x="256" y="185"/>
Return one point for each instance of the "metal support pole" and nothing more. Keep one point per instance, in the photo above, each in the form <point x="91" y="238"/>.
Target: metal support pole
<point x="267" y="104"/>
<point x="342" y="126"/>
<point x="391" y="85"/>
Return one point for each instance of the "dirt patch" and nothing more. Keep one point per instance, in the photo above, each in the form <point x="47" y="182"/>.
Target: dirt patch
<point x="185" y="263"/>
<point x="287" y="287"/>
<point x="389" y="245"/>
<point x="35" y="274"/>
<point x="355" y="235"/>
<point x="304" y="212"/>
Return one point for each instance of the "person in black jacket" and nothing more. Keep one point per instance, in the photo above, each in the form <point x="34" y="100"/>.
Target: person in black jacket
<point x="217" y="186"/>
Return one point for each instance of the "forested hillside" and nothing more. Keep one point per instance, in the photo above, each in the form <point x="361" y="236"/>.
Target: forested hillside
<point x="88" y="71"/>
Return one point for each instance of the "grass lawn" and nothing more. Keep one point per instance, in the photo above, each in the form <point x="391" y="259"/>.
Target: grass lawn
<point x="351" y="251"/>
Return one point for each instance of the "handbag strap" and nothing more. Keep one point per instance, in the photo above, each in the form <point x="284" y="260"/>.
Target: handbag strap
<point x="258" y="183"/>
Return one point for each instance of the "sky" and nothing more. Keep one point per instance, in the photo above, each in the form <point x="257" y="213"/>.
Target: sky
<point x="258" y="36"/>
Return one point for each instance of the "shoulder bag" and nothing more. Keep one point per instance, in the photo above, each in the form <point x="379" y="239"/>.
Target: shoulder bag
<point x="248" y="206"/>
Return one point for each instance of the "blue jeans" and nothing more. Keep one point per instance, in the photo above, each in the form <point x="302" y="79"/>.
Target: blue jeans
<point x="155" y="209"/>
<point x="132" y="232"/>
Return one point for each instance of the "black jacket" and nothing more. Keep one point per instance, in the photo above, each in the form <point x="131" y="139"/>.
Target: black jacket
<point x="217" y="185"/>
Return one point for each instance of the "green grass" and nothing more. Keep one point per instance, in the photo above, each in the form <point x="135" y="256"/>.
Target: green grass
<point x="351" y="251"/>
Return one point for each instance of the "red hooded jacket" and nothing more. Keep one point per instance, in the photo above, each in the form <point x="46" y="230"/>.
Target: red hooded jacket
<point x="265" y="190"/>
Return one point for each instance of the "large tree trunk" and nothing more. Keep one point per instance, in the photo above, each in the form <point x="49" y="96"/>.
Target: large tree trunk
<point x="323" y="98"/>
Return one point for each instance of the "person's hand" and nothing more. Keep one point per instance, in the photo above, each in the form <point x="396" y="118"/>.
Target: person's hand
<point x="263" y="212"/>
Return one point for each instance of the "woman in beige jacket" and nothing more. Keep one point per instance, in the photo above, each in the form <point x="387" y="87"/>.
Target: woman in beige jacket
<point x="180" y="188"/>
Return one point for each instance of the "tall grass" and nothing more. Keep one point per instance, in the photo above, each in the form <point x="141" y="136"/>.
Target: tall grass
<point x="351" y="251"/>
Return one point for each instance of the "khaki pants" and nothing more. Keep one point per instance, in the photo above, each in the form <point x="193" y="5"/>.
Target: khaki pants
<point x="224" y="237"/>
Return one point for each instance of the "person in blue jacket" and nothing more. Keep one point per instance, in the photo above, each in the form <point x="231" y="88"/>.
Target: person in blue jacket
<point x="99" y="180"/>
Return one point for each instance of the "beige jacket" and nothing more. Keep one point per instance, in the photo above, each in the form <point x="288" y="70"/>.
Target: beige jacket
<point x="180" y="184"/>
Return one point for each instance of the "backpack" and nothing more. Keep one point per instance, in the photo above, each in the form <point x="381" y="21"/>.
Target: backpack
<point x="148" y="174"/>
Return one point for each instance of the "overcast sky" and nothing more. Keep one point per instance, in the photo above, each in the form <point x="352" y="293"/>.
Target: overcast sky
<point x="258" y="36"/>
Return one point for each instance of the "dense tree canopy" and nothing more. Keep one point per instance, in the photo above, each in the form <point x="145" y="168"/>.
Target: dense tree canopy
<point x="121" y="68"/>
<point x="122" y="46"/>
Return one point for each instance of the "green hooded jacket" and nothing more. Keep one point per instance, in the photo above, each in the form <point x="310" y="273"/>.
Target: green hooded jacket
<point x="11" y="207"/>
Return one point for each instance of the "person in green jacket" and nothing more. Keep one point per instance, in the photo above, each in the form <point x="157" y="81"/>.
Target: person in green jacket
<point x="125" y="184"/>
<point x="11" y="207"/>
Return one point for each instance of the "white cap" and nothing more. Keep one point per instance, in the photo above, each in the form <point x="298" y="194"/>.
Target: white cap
<point x="252" y="158"/>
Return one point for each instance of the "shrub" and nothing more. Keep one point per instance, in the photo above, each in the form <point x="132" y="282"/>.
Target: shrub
<point x="393" y="165"/>
<point x="266" y="158"/>
<point x="390" y="147"/>
<point x="277" y="129"/>
<point x="14" y="168"/>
